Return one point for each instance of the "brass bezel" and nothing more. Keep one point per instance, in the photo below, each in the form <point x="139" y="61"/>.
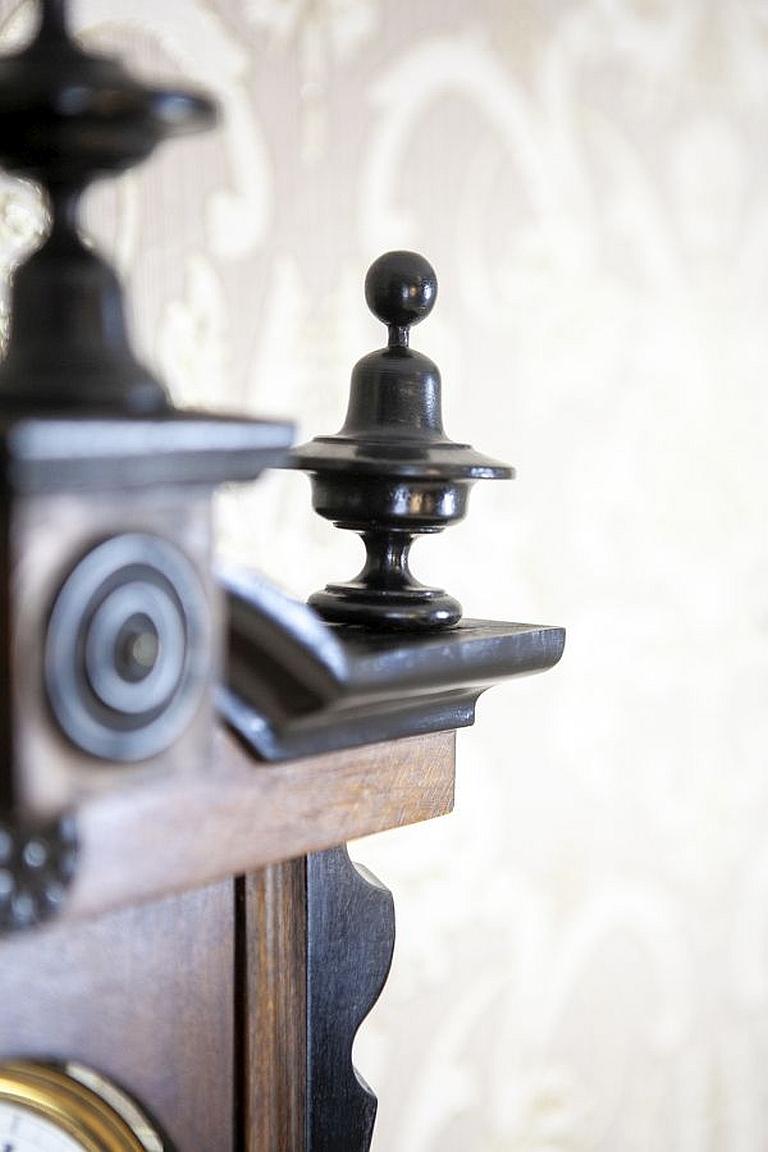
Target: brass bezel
<point x="49" y="1091"/>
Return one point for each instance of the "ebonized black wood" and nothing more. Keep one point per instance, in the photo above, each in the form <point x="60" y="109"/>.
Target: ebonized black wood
<point x="298" y="687"/>
<point x="67" y="117"/>
<point x="391" y="473"/>
<point x="350" y="941"/>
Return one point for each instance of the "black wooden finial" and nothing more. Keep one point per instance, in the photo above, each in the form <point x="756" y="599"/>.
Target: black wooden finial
<point x="68" y="117"/>
<point x="391" y="473"/>
<point x="53" y="18"/>
<point x="400" y="290"/>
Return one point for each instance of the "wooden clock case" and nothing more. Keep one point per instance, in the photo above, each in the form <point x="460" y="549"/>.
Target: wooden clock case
<point x="179" y="911"/>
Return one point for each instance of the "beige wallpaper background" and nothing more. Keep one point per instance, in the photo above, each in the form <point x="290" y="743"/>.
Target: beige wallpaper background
<point x="582" y="962"/>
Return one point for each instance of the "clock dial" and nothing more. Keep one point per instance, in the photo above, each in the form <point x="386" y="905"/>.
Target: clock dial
<point x="24" y="1131"/>
<point x="69" y="1108"/>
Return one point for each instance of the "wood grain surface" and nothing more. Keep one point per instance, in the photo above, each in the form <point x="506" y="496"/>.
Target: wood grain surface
<point x="145" y="997"/>
<point x="178" y="832"/>
<point x="273" y="1006"/>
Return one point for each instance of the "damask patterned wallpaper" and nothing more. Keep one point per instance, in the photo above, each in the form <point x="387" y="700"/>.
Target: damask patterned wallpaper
<point x="582" y="962"/>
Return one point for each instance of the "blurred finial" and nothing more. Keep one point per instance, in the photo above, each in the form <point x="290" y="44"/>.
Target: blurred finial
<point x="68" y="117"/>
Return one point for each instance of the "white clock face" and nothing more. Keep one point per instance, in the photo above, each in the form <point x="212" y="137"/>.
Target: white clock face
<point x="69" y="1108"/>
<point x="24" y="1131"/>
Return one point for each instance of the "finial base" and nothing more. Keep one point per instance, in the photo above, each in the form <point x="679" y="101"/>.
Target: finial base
<point x="417" y="609"/>
<point x="385" y="595"/>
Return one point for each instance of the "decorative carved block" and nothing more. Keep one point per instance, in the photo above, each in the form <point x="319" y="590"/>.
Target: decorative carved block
<point x="114" y="640"/>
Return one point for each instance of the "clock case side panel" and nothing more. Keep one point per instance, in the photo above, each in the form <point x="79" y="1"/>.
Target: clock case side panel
<point x="146" y="998"/>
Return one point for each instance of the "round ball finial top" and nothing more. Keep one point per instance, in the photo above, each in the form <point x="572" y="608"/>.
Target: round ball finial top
<point x="400" y="290"/>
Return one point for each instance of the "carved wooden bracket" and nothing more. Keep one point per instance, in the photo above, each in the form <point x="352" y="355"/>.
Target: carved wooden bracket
<point x="350" y="941"/>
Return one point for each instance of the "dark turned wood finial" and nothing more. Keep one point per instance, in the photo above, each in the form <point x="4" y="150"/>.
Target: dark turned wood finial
<point x="391" y="473"/>
<point x="400" y="290"/>
<point x="68" y="117"/>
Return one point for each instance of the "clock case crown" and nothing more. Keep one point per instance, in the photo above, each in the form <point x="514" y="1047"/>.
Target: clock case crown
<point x="106" y="542"/>
<point x="93" y="451"/>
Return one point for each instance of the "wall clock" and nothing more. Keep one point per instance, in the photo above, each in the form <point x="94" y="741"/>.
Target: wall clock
<point x="69" y="1108"/>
